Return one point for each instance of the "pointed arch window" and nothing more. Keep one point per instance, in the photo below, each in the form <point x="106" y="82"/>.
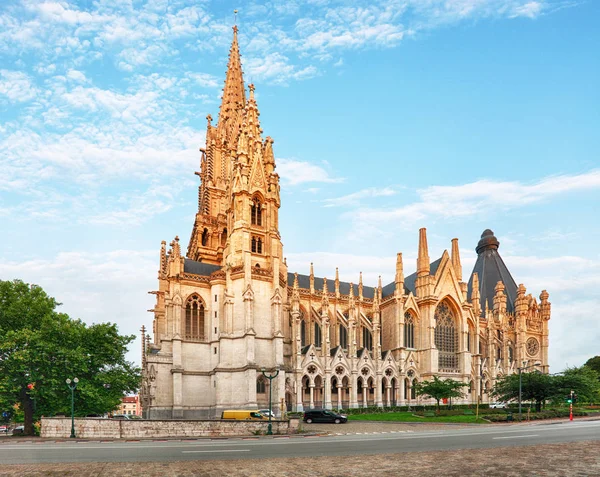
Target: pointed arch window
<point x="261" y="385"/>
<point x="302" y="333"/>
<point x="256" y="212"/>
<point x="367" y="339"/>
<point x="194" y="318"/>
<point x="483" y="348"/>
<point x="446" y="337"/>
<point x="205" y="238"/>
<point x="511" y="356"/>
<point x="257" y="245"/>
<point x="224" y="238"/>
<point x="343" y="337"/>
<point x="409" y="330"/>
<point x="469" y="338"/>
<point x="318" y="337"/>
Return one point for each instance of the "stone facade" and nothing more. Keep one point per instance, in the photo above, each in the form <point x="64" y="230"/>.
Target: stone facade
<point x="230" y="308"/>
<point x="94" y="428"/>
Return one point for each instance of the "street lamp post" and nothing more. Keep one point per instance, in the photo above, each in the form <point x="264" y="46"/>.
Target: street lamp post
<point x="72" y="388"/>
<point x="537" y="363"/>
<point x="270" y="377"/>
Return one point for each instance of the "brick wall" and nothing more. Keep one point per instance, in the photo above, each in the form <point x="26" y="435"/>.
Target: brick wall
<point x="95" y="428"/>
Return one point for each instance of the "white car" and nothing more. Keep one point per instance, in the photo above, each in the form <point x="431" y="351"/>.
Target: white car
<point x="265" y="412"/>
<point x="498" y="405"/>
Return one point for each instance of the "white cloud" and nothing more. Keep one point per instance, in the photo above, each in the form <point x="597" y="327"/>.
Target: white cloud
<point x="297" y="172"/>
<point x="530" y="10"/>
<point x="17" y="86"/>
<point x="96" y="287"/>
<point x="276" y="68"/>
<point x="475" y="197"/>
<point x="204" y="79"/>
<point x="357" y="197"/>
<point x="58" y="12"/>
<point x="76" y="75"/>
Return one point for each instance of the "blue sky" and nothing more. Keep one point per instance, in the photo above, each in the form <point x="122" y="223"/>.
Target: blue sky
<point x="387" y="116"/>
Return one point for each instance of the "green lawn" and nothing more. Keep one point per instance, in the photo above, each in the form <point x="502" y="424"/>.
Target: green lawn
<point x="409" y="417"/>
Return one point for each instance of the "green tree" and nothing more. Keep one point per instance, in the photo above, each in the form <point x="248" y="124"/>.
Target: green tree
<point x="439" y="389"/>
<point x="40" y="348"/>
<point x="537" y="387"/>
<point x="594" y="363"/>
<point x="583" y="381"/>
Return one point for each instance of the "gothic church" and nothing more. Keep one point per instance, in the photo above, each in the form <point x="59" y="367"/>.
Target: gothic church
<point x="230" y="308"/>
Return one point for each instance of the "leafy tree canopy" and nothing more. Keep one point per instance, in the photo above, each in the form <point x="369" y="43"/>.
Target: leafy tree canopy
<point x="582" y="381"/>
<point x="40" y="348"/>
<point x="594" y="363"/>
<point x="535" y="387"/>
<point x="439" y="389"/>
<point x="539" y="387"/>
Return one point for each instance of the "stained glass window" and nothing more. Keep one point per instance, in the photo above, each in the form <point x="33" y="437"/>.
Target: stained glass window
<point x="446" y="337"/>
<point x="409" y="330"/>
<point x="194" y="318"/>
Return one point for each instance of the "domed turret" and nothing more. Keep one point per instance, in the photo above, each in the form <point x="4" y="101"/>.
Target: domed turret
<point x="488" y="242"/>
<point x="490" y="269"/>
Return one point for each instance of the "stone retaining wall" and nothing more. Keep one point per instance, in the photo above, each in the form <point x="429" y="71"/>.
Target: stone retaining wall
<point x="97" y="428"/>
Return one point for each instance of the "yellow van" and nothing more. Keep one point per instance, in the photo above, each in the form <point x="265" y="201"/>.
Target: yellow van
<point x="246" y="415"/>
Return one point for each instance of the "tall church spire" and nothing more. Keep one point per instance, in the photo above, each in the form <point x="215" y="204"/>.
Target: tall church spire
<point x="234" y="94"/>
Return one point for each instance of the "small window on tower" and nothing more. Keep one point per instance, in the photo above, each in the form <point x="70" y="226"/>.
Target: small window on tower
<point x="259" y="246"/>
<point x="205" y="237"/>
<point x="256" y="212"/>
<point x="253" y="245"/>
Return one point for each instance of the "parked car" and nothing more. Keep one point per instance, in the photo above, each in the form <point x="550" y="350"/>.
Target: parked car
<point x="4" y="429"/>
<point x="18" y="430"/>
<point x="124" y="417"/>
<point x="324" y="416"/>
<point x="265" y="412"/>
<point x="498" y="405"/>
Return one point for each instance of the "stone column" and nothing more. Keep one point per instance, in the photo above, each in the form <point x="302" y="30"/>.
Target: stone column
<point x="299" y="394"/>
<point x="327" y="392"/>
<point x="339" y="389"/>
<point x="312" y="395"/>
<point x="400" y="397"/>
<point x="387" y="396"/>
<point x="378" y="396"/>
<point x="353" y="390"/>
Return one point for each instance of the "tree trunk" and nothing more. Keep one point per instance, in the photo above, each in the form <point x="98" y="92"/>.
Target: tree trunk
<point x="438" y="405"/>
<point x="27" y="404"/>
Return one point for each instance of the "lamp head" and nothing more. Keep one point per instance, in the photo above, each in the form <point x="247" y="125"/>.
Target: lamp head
<point x="537" y="363"/>
<point x="68" y="381"/>
<point x="75" y="380"/>
<point x="262" y="369"/>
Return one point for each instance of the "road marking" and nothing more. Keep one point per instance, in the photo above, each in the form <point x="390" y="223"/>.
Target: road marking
<point x="211" y="451"/>
<point x="517" y="437"/>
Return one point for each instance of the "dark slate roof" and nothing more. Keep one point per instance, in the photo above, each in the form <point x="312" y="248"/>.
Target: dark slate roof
<point x="199" y="268"/>
<point x="304" y="282"/>
<point x="409" y="281"/>
<point x="491" y="269"/>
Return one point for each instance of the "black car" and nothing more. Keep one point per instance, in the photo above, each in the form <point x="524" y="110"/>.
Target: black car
<point x="324" y="416"/>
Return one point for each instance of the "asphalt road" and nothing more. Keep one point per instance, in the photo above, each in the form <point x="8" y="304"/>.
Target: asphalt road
<point x="231" y="449"/>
